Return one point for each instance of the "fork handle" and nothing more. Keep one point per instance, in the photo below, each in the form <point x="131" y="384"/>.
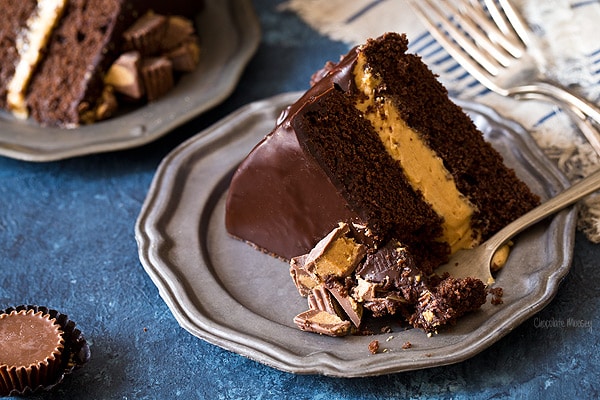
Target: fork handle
<point x="585" y="125"/>
<point x="585" y="114"/>
<point x="569" y="196"/>
<point x="563" y="95"/>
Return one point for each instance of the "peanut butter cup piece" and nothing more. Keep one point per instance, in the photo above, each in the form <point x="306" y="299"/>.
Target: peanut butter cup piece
<point x="124" y="75"/>
<point x="186" y="56"/>
<point x="158" y="76"/>
<point x="178" y="29"/>
<point x="146" y="34"/>
<point x="322" y="322"/>
<point x="336" y="254"/>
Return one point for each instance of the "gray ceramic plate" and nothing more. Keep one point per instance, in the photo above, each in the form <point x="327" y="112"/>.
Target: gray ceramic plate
<point x="229" y="32"/>
<point x="227" y="293"/>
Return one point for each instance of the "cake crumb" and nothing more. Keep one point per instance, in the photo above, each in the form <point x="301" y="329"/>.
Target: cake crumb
<point x="374" y="346"/>
<point x="497" y="294"/>
<point x="406" y="345"/>
<point x="386" y="329"/>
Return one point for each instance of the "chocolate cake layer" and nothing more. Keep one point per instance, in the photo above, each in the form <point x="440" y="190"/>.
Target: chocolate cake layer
<point x="69" y="79"/>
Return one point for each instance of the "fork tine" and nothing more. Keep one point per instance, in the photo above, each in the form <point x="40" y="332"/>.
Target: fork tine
<point x="508" y="19"/>
<point x="473" y="68"/>
<point x="497" y="28"/>
<point x="517" y="22"/>
<point x="498" y="17"/>
<point x="465" y="17"/>
<point x="437" y="31"/>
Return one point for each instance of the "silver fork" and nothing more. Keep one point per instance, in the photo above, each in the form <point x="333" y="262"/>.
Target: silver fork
<point x="491" y="42"/>
<point x="476" y="262"/>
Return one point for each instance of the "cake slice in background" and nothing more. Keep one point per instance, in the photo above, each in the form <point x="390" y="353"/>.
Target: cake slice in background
<point x="56" y="54"/>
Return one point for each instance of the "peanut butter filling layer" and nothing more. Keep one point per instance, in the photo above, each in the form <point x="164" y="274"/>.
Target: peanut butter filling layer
<point x="424" y="170"/>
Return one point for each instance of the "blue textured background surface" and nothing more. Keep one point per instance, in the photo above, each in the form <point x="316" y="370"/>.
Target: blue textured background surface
<point x="67" y="242"/>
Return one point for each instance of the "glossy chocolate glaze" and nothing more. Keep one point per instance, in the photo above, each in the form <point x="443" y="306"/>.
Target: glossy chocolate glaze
<point x="290" y="191"/>
<point x="312" y="177"/>
<point x="280" y="169"/>
<point x="278" y="172"/>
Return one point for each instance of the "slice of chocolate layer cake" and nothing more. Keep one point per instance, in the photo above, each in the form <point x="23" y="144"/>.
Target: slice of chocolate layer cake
<point x="377" y="144"/>
<point x="55" y="54"/>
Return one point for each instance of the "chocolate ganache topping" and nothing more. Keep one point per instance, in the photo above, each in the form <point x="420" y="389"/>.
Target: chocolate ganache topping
<point x="285" y="175"/>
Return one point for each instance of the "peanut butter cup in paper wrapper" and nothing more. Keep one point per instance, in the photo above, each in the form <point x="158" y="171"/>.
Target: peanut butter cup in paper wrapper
<point x="38" y="347"/>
